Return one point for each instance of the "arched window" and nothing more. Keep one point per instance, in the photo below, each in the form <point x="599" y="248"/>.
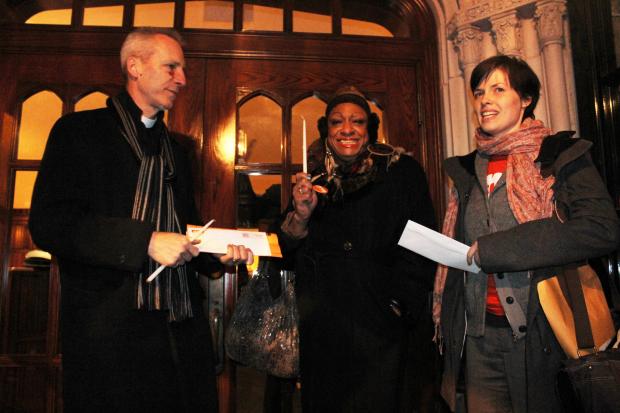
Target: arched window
<point x="259" y="139"/>
<point x="310" y="109"/>
<point x="259" y="156"/>
<point x="93" y="100"/>
<point x="38" y="114"/>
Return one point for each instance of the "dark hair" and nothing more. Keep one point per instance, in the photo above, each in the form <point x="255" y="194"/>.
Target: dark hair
<point x="349" y="94"/>
<point x="521" y="76"/>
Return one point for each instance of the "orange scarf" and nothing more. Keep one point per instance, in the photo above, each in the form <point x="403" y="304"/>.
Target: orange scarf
<point x="530" y="196"/>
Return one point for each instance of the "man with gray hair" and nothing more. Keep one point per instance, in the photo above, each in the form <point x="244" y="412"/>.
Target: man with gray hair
<point x="111" y="203"/>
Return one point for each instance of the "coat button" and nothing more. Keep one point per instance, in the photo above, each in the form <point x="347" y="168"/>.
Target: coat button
<point x="347" y="246"/>
<point x="547" y="350"/>
<point x="510" y="300"/>
<point x="122" y="258"/>
<point x="522" y="329"/>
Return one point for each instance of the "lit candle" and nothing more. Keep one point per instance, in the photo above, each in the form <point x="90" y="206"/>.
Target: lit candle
<point x="303" y="147"/>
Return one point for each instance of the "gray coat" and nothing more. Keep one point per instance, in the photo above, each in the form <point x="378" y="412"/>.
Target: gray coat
<point x="591" y="230"/>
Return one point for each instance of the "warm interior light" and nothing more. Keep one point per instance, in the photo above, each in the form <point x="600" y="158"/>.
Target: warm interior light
<point x="62" y="16"/>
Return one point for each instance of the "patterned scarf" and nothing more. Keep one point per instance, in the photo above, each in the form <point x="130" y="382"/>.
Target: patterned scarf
<point x="342" y="176"/>
<point x="154" y="203"/>
<point x="529" y="194"/>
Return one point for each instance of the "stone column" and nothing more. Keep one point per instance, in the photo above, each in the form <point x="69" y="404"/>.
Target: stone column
<point x="487" y="46"/>
<point x="467" y="43"/>
<point x="531" y="54"/>
<point x="550" y="15"/>
<point x="507" y="30"/>
<point x="570" y="79"/>
<point x="457" y="108"/>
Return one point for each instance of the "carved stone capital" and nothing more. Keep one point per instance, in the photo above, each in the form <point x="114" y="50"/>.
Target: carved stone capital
<point x="549" y="17"/>
<point x="507" y="32"/>
<point x="474" y="11"/>
<point x="467" y="43"/>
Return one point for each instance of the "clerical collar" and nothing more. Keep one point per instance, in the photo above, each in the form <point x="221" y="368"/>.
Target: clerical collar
<point x="148" y="122"/>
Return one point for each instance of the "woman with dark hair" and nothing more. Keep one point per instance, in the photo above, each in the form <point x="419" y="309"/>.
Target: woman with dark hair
<point x="361" y="298"/>
<point x="506" y="201"/>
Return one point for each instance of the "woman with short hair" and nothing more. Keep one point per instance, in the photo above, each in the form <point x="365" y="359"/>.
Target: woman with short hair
<point x="502" y="203"/>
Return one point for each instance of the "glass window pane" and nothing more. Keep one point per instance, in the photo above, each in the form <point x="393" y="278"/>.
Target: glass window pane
<point x="156" y="14"/>
<point x="265" y="18"/>
<point x="371" y="18"/>
<point x="311" y="108"/>
<point x="93" y="100"/>
<point x="312" y="17"/>
<point x="258" y="200"/>
<point x="362" y="28"/>
<point x="103" y="13"/>
<point x="39" y="112"/>
<point x="62" y="16"/>
<point x="211" y="14"/>
<point x="259" y="139"/>
<point x="24" y="184"/>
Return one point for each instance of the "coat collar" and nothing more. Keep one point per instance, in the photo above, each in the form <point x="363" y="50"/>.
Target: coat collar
<point x="559" y="150"/>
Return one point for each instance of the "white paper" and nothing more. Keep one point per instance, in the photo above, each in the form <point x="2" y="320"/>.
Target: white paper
<point x="216" y="240"/>
<point x="436" y="246"/>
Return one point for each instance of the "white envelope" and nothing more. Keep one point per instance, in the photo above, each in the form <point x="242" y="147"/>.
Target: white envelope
<point x="436" y="246"/>
<point x="216" y="240"/>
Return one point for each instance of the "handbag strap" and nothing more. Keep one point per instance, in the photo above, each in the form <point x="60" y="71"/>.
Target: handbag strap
<point x="575" y="298"/>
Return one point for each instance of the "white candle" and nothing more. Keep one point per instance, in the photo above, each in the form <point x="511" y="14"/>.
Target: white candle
<point x="303" y="147"/>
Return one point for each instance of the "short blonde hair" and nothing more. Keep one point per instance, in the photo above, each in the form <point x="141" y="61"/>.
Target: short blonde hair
<point x="137" y="43"/>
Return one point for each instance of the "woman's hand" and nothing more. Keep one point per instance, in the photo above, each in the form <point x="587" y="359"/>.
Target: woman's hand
<point x="473" y="254"/>
<point x="304" y="197"/>
<point x="304" y="202"/>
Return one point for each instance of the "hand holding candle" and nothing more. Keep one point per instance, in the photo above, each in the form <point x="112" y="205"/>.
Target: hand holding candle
<point x="304" y="155"/>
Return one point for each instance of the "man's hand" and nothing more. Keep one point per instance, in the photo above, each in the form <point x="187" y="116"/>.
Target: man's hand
<point x="236" y="254"/>
<point x="171" y="249"/>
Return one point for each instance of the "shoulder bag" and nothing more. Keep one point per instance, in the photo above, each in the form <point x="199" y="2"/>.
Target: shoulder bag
<point x="577" y="310"/>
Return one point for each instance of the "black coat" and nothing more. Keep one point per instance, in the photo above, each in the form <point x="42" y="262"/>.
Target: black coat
<point x="356" y="353"/>
<point x="115" y="358"/>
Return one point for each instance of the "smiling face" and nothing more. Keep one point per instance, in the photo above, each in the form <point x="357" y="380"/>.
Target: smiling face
<point x="499" y="108"/>
<point x="347" y="131"/>
<point x="155" y="80"/>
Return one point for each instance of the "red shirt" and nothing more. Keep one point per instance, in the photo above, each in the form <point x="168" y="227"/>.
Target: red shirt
<point x="495" y="170"/>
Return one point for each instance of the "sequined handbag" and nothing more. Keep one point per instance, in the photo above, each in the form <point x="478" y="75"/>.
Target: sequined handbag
<point x="263" y="332"/>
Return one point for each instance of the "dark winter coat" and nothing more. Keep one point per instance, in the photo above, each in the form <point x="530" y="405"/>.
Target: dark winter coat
<point x="352" y="280"/>
<point x="115" y="358"/>
<point x="591" y="230"/>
